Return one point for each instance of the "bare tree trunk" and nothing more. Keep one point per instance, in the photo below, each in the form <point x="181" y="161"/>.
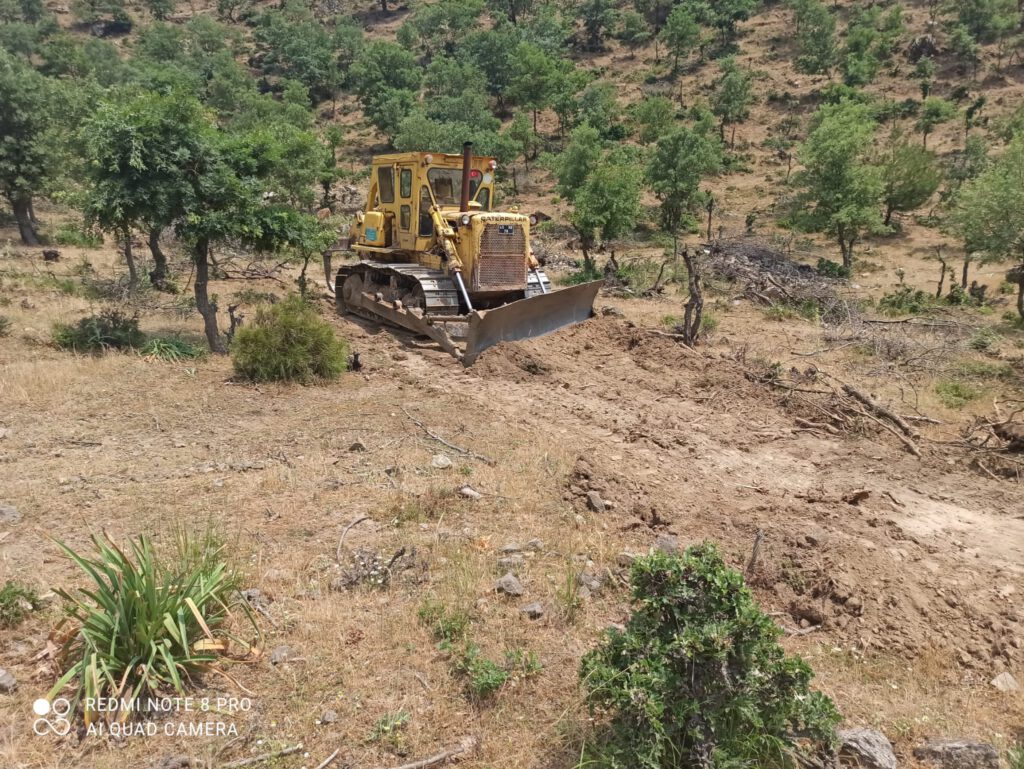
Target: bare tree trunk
<point x="129" y="258"/>
<point x="963" y="274"/>
<point x="942" y="273"/>
<point x="201" y="255"/>
<point x="711" y="210"/>
<point x="1020" y="299"/>
<point x="159" y="273"/>
<point x="28" y="233"/>
<point x="694" y="307"/>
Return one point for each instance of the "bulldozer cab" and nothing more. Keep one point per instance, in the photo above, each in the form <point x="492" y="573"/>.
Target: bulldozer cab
<point x="405" y="186"/>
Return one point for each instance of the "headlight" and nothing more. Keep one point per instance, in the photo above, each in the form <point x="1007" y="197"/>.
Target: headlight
<point x="533" y="220"/>
<point x="428" y="159"/>
<point x="465" y="220"/>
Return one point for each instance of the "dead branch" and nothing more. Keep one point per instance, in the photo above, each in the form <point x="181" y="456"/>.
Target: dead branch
<point x="443" y="442"/>
<point x="341" y="541"/>
<point x="817" y="426"/>
<point x="327" y="761"/>
<point x="881" y="410"/>
<point x="466" y="745"/>
<point x="911" y="446"/>
<point x="261" y="758"/>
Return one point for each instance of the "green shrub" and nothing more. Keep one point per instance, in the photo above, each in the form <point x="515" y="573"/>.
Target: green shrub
<point x="390" y="728"/>
<point x="983" y="338"/>
<point x="16" y="603"/>
<point x="5" y="326"/>
<point x="172" y="349"/>
<point x="584" y="274"/>
<point x="708" y="323"/>
<point x="111" y="329"/>
<point x="1015" y="756"/>
<point x="445" y="624"/>
<point x="955" y="394"/>
<point x="905" y="301"/>
<point x="807" y="309"/>
<point x="136" y="627"/>
<point x="986" y="370"/>
<point x="76" y="234"/>
<point x="288" y="341"/>
<point x="832" y="269"/>
<point x="698" y="677"/>
<point x="483" y="677"/>
<point x="958" y="297"/>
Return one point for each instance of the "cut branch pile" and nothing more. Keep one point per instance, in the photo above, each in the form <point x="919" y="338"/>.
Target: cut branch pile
<point x="769" y="277"/>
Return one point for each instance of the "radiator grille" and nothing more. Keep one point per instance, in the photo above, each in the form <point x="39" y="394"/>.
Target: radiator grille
<point x="502" y="264"/>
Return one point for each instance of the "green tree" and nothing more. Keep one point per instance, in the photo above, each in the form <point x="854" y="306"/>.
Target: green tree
<point x="910" y="176"/>
<point x="606" y="206"/>
<point x="493" y="52"/>
<point x="724" y="15"/>
<point x="534" y="78"/>
<point x="698" y="679"/>
<point x="681" y="34"/>
<point x="294" y="45"/>
<point x="573" y="164"/>
<point x="840" y="188"/>
<point x="989" y="214"/>
<point x="599" y="107"/>
<point x="387" y="109"/>
<point x="440" y="26"/>
<point x="521" y="132"/>
<point x="732" y="98"/>
<point x="598" y="17"/>
<point x="161" y="9"/>
<point x="816" y="37"/>
<point x="934" y="111"/>
<point x="633" y="30"/>
<point x="653" y="117"/>
<point x="28" y="155"/>
<point x="988" y="20"/>
<point x="383" y="64"/>
<point x="924" y="71"/>
<point x="513" y="10"/>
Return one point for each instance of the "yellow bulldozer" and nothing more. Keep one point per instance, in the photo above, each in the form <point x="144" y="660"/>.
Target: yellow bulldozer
<point x="435" y="259"/>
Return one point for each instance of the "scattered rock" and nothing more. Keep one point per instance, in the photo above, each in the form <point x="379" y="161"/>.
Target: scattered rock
<point x="535" y="545"/>
<point x="958" y="754"/>
<point x="805" y="609"/>
<point x="440" y="462"/>
<point x="281" y="655"/>
<point x="856" y="496"/>
<point x="533" y="610"/>
<point x="608" y="310"/>
<point x="9" y="514"/>
<point x="470" y="493"/>
<point x="866" y="748"/>
<point x="255" y="598"/>
<point x="595" y="503"/>
<point x="173" y="762"/>
<point x="667" y="543"/>
<point x="4" y="432"/>
<point x="357" y="446"/>
<point x="510" y="547"/>
<point x="1005" y="682"/>
<point x="590" y="583"/>
<point x="399" y="356"/>
<point x="511" y="562"/>
<point x="509" y="585"/>
<point x="625" y="560"/>
<point x="7" y="682"/>
<point x="279" y="575"/>
<point x="51" y="255"/>
<point x="328" y="717"/>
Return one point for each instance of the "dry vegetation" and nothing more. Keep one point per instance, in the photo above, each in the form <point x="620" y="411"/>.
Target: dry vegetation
<point x="898" y="577"/>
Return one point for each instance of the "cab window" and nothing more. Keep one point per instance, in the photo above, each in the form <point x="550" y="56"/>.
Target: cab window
<point x="404" y="215"/>
<point x="405" y="183"/>
<point x="426" y="228"/>
<point x="386" y="184"/>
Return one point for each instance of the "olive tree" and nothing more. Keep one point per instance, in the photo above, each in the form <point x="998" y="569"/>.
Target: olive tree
<point x="910" y="175"/>
<point x="989" y="214"/>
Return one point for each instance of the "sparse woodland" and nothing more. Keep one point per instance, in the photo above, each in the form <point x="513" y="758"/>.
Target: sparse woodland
<point x="809" y="351"/>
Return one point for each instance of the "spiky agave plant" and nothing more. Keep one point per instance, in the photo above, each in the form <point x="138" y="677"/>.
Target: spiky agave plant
<point x="142" y="627"/>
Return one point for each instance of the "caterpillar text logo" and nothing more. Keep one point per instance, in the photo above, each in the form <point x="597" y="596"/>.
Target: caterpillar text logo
<point x="57" y="722"/>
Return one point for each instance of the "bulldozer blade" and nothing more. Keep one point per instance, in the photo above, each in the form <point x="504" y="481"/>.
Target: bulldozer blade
<point x="531" y="317"/>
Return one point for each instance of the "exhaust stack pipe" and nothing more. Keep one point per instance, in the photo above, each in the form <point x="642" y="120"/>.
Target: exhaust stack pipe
<point x="467" y="159"/>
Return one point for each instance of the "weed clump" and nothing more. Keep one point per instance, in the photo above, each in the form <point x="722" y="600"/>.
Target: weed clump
<point x="905" y="301"/>
<point x="955" y="394"/>
<point x="288" y="341"/>
<point x="698" y="678"/>
<point x="109" y="330"/>
<point x="16" y="603"/>
<point x="145" y="624"/>
<point x="171" y="349"/>
<point x="5" y="326"/>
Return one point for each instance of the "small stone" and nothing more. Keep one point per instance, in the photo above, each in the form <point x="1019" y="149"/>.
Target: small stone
<point x="855" y="604"/>
<point x="625" y="560"/>
<point x="533" y="610"/>
<point x="511" y="562"/>
<point x="4" y="432"/>
<point x="9" y="514"/>
<point x="667" y="543"/>
<point x="328" y="717"/>
<point x="958" y="754"/>
<point x="281" y="655"/>
<point x="399" y="356"/>
<point x="535" y="545"/>
<point x="509" y="585"/>
<point x="51" y="255"/>
<point x="589" y="581"/>
<point x="470" y="493"/>
<point x="173" y="762"/>
<point x="255" y="598"/>
<point x="7" y="682"/>
<point x="511" y="547"/>
<point x="595" y="503"/>
<point x="866" y="748"/>
<point x="1005" y="682"/>
<point x="357" y="446"/>
<point x="440" y="462"/>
